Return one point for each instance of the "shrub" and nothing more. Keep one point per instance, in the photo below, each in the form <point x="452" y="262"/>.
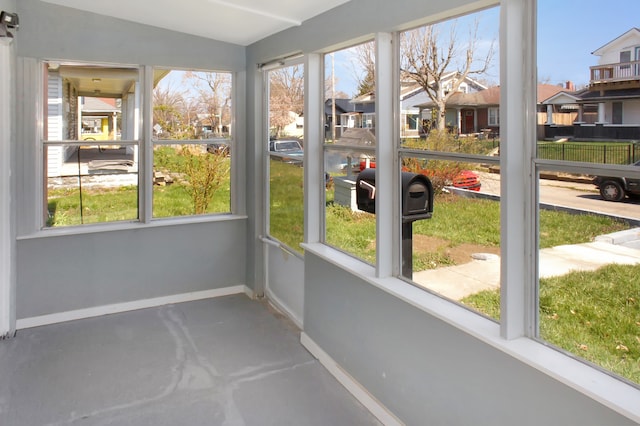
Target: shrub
<point x="205" y="172"/>
<point x="440" y="172"/>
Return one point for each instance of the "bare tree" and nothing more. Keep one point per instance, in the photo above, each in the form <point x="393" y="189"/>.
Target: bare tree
<point x="364" y="68"/>
<point x="214" y="90"/>
<point x="167" y="104"/>
<point x="428" y="60"/>
<point x="286" y="96"/>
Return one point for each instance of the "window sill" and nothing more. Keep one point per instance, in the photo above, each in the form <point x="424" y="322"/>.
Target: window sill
<point x="123" y="226"/>
<point x="590" y="381"/>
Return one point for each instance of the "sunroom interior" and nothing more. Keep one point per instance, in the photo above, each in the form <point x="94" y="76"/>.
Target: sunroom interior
<point x="368" y="344"/>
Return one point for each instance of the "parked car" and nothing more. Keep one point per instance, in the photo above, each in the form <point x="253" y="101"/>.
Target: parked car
<point x="617" y="188"/>
<point x="288" y="150"/>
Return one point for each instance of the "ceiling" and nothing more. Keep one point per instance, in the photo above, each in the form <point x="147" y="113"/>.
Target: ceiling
<point x="235" y="21"/>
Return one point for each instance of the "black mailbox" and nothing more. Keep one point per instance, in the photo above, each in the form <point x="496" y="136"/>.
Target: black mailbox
<point x="366" y="190"/>
<point x="417" y="197"/>
<point x="417" y="204"/>
<point x="417" y="194"/>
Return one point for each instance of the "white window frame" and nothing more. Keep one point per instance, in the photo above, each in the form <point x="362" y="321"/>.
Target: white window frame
<point x="153" y="142"/>
<point x="493" y="116"/>
<point x="31" y="225"/>
<point x="298" y="60"/>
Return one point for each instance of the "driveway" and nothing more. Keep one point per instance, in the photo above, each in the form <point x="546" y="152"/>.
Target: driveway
<point x="575" y="195"/>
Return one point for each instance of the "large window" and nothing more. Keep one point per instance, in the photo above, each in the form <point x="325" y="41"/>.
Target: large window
<point x="349" y="148"/>
<point x="587" y="251"/>
<point x="192" y="141"/>
<point x="94" y="157"/>
<point x="448" y="72"/>
<point x="285" y="159"/>
<point x="90" y="143"/>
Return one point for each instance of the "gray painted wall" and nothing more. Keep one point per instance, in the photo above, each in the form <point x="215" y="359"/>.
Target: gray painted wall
<point x="426" y="371"/>
<point x="58" y="274"/>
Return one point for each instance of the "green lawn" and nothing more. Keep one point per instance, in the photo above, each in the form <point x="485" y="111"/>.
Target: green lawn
<point x="595" y="315"/>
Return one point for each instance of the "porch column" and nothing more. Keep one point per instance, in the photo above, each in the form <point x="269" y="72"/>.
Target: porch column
<point x="549" y="114"/>
<point x="580" y="113"/>
<point x="601" y="113"/>
<point x="459" y="119"/>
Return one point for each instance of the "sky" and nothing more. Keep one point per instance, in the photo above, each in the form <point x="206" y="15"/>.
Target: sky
<point x="568" y="31"/>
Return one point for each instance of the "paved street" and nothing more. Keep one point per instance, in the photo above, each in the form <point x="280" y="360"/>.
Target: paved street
<point x="582" y="196"/>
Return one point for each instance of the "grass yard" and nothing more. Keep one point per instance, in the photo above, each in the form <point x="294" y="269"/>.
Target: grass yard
<point x="595" y="315"/>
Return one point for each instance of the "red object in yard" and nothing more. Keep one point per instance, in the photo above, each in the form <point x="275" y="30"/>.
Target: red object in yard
<point x="467" y="180"/>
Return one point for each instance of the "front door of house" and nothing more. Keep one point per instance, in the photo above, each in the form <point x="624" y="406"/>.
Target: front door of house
<point x="617" y="113"/>
<point x="468" y="121"/>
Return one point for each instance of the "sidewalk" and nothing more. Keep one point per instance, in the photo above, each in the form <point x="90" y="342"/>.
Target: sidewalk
<point x="483" y="272"/>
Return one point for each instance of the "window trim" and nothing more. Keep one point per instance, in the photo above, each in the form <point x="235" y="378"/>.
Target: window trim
<point x="33" y="225"/>
<point x="493" y="119"/>
<point x="266" y="70"/>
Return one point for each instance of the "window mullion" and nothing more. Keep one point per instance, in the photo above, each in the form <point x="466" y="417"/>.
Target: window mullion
<point x="145" y="166"/>
<point x="517" y="109"/>
<point x="313" y="147"/>
<point x="385" y="153"/>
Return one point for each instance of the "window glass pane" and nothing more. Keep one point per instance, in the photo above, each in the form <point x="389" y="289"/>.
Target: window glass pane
<point x="350" y="225"/>
<point x="449" y="81"/>
<point x="456" y="252"/>
<point x="98" y="181"/>
<point x="286" y="129"/>
<point x="588" y="254"/>
<point x="190" y="177"/>
<point x="349" y="148"/>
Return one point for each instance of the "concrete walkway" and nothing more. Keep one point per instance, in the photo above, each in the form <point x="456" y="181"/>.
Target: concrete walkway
<point x="483" y="272"/>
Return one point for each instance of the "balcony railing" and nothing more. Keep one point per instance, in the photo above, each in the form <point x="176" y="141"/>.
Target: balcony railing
<point x="607" y="73"/>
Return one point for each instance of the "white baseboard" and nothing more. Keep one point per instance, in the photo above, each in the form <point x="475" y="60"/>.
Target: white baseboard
<point x="356" y="389"/>
<point x="129" y="306"/>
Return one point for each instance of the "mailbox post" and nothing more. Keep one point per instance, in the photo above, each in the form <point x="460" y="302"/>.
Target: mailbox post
<point x="417" y="204"/>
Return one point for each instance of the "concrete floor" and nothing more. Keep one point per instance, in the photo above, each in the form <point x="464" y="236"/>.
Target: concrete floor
<point x="223" y="361"/>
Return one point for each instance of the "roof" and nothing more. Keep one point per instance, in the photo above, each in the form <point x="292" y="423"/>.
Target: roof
<point x="344" y="106"/>
<point x="599" y="51"/>
<point x="596" y="95"/>
<point x="98" y="105"/>
<point x="561" y="98"/>
<point x="491" y="96"/>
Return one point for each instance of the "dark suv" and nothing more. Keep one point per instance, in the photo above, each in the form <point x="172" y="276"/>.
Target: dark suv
<point x="616" y="188"/>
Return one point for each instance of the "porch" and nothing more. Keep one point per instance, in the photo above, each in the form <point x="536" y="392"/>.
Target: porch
<point x="617" y="75"/>
<point x="222" y="361"/>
